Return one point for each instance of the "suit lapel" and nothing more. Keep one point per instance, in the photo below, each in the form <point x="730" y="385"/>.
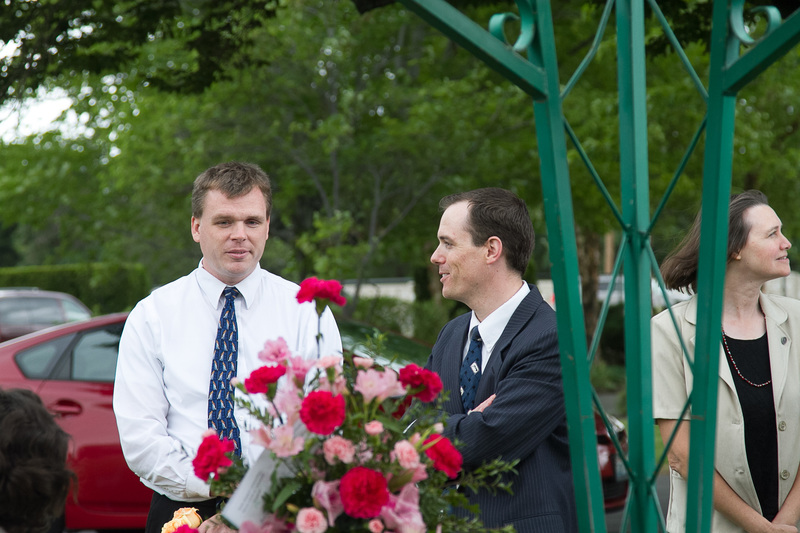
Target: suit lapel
<point x="451" y="363"/>
<point x="518" y="320"/>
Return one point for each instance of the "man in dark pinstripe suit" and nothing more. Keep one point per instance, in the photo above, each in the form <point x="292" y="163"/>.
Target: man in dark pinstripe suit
<point x="517" y="410"/>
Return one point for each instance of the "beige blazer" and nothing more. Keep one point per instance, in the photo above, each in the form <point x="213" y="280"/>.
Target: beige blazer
<point x="672" y="382"/>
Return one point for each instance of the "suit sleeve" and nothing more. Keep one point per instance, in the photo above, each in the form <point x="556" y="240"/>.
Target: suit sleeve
<point x="528" y="409"/>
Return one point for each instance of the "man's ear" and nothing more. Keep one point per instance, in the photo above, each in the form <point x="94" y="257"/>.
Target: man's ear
<point x="494" y="249"/>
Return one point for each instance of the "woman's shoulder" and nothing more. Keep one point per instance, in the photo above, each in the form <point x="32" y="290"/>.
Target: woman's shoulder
<point x="686" y="309"/>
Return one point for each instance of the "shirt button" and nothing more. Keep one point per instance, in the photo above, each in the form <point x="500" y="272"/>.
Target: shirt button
<point x="783" y="340"/>
<point x="782" y="425"/>
<point x="784" y="474"/>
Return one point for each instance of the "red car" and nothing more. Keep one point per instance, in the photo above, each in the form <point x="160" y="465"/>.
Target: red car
<point x="613" y="473"/>
<point x="72" y="368"/>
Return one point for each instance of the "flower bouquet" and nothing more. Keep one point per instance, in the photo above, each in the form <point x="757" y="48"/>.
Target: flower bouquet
<point x="353" y="444"/>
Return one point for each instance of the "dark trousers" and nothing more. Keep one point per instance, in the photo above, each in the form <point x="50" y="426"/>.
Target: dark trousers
<point x="162" y="509"/>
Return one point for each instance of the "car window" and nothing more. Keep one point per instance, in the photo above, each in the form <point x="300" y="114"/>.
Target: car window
<point x="25" y="311"/>
<point x="94" y="357"/>
<point x="39" y="361"/>
<point x="73" y="311"/>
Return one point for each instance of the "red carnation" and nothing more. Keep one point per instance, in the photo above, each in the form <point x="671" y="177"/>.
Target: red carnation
<point x="211" y="456"/>
<point x="261" y="378"/>
<point x="321" y="289"/>
<point x="322" y="412"/>
<point x="364" y="492"/>
<point x="444" y="455"/>
<point x="424" y="384"/>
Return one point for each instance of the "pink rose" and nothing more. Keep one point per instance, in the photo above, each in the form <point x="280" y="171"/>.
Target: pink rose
<point x="326" y="495"/>
<point x="275" y="351"/>
<point x="375" y="526"/>
<point x="285" y="444"/>
<point x="381" y="385"/>
<point x="373" y="428"/>
<point x="311" y="520"/>
<point x="338" y="448"/>
<point x="406" y="454"/>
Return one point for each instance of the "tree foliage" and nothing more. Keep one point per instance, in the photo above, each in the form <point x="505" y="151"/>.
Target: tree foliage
<point x="363" y="120"/>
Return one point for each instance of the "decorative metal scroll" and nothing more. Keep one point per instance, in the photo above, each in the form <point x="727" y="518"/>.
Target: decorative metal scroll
<point x="538" y="76"/>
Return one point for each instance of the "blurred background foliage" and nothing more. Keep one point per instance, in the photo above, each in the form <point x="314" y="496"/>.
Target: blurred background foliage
<point x="363" y="116"/>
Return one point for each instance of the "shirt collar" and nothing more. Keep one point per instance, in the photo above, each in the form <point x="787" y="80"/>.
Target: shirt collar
<point x="493" y="325"/>
<point x="212" y="287"/>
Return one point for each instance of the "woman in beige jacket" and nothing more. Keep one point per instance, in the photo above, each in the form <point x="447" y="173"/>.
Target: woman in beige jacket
<point x="758" y="413"/>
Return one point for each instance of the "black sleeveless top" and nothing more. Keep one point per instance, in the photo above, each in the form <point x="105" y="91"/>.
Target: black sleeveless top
<point x="758" y="407"/>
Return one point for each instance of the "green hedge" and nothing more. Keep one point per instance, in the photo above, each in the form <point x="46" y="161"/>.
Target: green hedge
<point x="103" y="287"/>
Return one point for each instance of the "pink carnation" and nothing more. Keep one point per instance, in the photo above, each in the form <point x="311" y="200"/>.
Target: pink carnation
<point x="311" y="520"/>
<point x="363" y="362"/>
<point x="375" y="526"/>
<point x="374" y="427"/>
<point x="338" y="448"/>
<point x="329" y="361"/>
<point x="406" y="454"/>
<point x="275" y="351"/>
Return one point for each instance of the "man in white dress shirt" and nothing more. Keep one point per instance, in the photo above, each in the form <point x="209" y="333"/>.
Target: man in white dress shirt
<point x="161" y="393"/>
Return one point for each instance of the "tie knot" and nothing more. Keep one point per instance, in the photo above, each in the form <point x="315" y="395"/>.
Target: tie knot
<point x="475" y="334"/>
<point x="230" y="293"/>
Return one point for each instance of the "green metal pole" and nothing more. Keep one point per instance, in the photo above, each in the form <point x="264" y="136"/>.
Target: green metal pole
<point x="559" y="217"/>
<point x="717" y="170"/>
<point x="635" y="195"/>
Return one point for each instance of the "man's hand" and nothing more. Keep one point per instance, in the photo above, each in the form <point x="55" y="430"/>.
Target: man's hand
<point x="481" y="406"/>
<point x="215" y="525"/>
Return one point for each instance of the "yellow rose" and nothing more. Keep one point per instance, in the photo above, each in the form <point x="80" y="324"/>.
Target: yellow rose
<point x="185" y="516"/>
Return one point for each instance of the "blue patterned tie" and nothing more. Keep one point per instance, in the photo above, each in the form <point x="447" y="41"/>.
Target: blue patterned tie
<point x="471" y="370"/>
<point x="223" y="368"/>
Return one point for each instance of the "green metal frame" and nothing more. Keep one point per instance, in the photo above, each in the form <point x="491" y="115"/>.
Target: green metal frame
<point x="537" y="75"/>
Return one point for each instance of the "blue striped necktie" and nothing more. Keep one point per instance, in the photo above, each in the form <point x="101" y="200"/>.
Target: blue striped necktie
<point x="223" y="369"/>
<point x="471" y="370"/>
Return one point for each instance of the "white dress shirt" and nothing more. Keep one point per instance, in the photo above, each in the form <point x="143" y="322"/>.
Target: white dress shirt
<point x="164" y="368"/>
<point x="493" y="325"/>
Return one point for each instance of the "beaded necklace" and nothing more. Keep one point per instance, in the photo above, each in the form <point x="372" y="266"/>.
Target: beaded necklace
<point x="736" y="367"/>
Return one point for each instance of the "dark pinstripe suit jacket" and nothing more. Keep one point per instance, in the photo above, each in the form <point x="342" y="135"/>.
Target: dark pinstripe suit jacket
<point x="526" y="421"/>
